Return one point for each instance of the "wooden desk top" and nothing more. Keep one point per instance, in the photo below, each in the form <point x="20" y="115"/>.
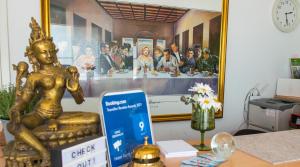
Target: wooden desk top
<point x="238" y="159"/>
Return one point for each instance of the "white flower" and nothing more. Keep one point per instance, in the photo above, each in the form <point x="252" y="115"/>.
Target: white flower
<point x="208" y="91"/>
<point x="206" y="103"/>
<point x="196" y="97"/>
<point x="217" y="105"/>
<point x="205" y="97"/>
<point x="202" y="89"/>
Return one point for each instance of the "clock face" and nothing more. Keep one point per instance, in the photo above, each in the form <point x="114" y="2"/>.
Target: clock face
<point x="285" y="15"/>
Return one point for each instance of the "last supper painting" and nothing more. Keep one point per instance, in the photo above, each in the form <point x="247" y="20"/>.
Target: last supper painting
<point x="160" y="48"/>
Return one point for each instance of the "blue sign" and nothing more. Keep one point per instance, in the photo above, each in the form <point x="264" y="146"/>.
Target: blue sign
<point x="126" y="121"/>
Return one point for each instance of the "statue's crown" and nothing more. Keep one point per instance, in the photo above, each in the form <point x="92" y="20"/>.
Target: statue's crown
<point x="36" y="32"/>
<point x="37" y="35"/>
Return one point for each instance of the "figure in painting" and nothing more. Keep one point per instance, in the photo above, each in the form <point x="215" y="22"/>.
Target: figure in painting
<point x="115" y="54"/>
<point x="127" y="57"/>
<point x="157" y="56"/>
<point x="107" y="65"/>
<point x="197" y="51"/>
<point x="207" y="62"/>
<point x="189" y="62"/>
<point x="176" y="54"/>
<point x="145" y="61"/>
<point x="86" y="62"/>
<point x="167" y="63"/>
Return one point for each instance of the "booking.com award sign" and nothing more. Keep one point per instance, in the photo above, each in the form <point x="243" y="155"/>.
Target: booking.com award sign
<point x="126" y="121"/>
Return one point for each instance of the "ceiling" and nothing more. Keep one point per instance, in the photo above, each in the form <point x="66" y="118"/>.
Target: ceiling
<point x="142" y="12"/>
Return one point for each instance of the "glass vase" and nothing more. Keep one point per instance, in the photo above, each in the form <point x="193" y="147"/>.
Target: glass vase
<point x="202" y="120"/>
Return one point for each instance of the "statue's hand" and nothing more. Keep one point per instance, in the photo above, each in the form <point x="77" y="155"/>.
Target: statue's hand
<point x="73" y="79"/>
<point x="15" y="116"/>
<point x="15" y="120"/>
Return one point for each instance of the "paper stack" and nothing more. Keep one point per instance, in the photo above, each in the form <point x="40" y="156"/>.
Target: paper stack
<point x="176" y="148"/>
<point x="204" y="160"/>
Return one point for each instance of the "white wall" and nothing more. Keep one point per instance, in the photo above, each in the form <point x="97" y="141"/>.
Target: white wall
<point x="4" y="48"/>
<point x="257" y="54"/>
<point x="19" y="14"/>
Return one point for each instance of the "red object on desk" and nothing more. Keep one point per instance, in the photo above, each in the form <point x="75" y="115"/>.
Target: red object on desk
<point x="295" y="121"/>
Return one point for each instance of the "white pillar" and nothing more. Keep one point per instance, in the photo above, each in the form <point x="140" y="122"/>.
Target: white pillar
<point x="4" y="45"/>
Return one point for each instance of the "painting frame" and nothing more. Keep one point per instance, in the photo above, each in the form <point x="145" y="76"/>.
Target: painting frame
<point x="45" y="22"/>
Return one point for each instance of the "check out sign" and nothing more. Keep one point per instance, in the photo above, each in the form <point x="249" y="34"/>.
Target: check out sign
<point x="91" y="153"/>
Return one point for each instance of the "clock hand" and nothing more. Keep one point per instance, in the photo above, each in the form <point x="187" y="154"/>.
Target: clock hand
<point x="290" y="13"/>
<point x="286" y="19"/>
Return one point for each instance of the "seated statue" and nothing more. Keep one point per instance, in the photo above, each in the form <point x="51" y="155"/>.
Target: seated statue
<point x="46" y="126"/>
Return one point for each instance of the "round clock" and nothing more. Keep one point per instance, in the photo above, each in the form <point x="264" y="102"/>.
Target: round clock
<point x="286" y="15"/>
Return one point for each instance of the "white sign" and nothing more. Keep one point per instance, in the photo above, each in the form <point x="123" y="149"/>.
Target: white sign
<point x="88" y="154"/>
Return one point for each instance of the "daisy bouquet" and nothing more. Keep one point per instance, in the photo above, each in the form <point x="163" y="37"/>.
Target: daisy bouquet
<point x="204" y="105"/>
<point x="204" y="96"/>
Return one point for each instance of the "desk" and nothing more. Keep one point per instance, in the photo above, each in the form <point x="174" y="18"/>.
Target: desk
<point x="238" y="159"/>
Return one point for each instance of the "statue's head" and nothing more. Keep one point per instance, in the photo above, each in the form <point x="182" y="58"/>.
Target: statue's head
<point x="41" y="49"/>
<point x="45" y="52"/>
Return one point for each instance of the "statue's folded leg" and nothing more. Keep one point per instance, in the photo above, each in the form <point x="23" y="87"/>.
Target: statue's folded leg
<point x="22" y="132"/>
<point x="32" y="120"/>
<point x="78" y="118"/>
<point x="87" y="123"/>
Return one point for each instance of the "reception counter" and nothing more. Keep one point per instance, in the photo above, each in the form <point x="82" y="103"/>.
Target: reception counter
<point x="280" y="149"/>
<point x="238" y="159"/>
<point x="277" y="149"/>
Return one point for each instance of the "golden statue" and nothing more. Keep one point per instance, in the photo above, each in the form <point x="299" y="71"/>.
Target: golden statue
<point x="46" y="126"/>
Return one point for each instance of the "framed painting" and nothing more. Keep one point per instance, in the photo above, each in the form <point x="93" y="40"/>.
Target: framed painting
<point x="163" y="48"/>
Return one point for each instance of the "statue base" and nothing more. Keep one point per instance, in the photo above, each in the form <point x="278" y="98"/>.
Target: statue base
<point x="18" y="154"/>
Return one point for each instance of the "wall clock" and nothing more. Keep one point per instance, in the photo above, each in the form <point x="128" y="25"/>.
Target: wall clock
<point x="286" y="15"/>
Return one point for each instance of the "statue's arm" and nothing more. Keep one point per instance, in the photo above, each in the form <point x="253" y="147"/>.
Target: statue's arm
<point x="23" y="99"/>
<point x="73" y="85"/>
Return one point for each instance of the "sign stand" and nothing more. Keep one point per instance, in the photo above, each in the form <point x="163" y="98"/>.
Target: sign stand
<point x="87" y="152"/>
<point x="126" y="121"/>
